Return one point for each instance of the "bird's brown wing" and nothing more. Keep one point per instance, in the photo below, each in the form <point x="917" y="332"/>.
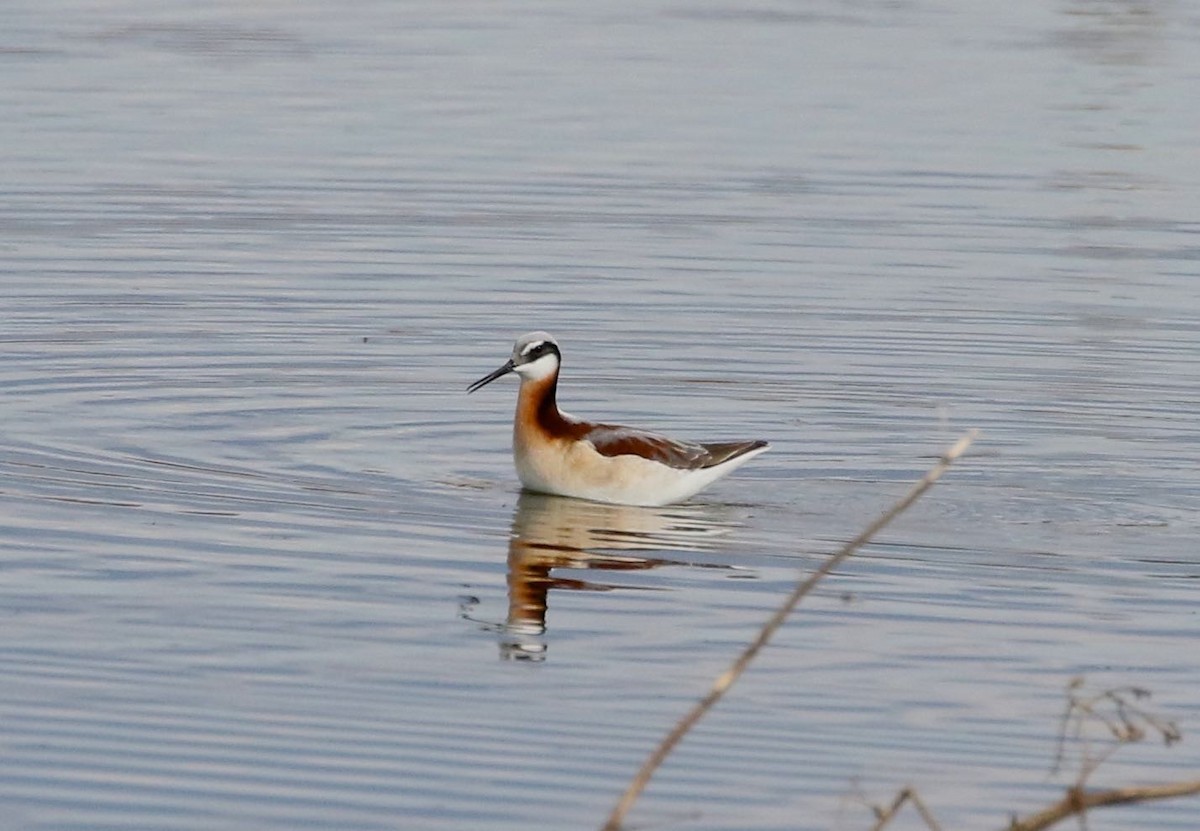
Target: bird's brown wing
<point x="612" y="440"/>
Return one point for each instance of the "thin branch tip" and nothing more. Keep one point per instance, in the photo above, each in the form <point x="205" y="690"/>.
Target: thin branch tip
<point x="960" y="446"/>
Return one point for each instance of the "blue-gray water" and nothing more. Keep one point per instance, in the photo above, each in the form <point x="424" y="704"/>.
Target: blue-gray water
<point x="257" y="545"/>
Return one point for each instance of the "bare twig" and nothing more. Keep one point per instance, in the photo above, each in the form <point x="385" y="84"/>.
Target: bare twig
<point x="1077" y="802"/>
<point x="727" y="679"/>
<point x="909" y="794"/>
<point x="1125" y="722"/>
<point x="1116" y="713"/>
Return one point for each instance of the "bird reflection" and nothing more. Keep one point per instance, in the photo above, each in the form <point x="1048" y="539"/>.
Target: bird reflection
<point x="552" y="532"/>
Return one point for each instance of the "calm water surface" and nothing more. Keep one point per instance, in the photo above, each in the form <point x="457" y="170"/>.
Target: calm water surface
<point x="263" y="565"/>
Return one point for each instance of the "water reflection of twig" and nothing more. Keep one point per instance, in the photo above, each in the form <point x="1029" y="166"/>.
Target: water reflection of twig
<point x="551" y="533"/>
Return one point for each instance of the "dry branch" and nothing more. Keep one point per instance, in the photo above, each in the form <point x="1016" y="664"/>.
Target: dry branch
<point x="1077" y="802"/>
<point x="1116" y="713"/>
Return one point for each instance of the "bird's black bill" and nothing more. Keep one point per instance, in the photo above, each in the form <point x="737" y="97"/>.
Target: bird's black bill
<point x="487" y="379"/>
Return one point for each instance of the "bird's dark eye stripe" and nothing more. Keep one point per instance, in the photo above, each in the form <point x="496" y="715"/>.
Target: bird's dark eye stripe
<point x="543" y="348"/>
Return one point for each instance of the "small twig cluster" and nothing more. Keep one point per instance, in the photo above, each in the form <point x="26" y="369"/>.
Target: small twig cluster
<point x="1119" y="713"/>
<point x="1121" y="716"/>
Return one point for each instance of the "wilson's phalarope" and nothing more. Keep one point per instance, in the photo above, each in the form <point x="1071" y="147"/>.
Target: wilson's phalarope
<point x="559" y="454"/>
